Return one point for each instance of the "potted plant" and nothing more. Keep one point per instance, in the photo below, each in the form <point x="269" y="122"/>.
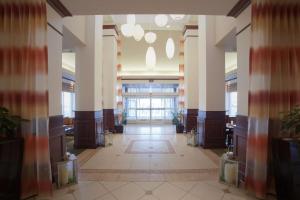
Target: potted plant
<point x="118" y="123"/>
<point x="177" y="121"/>
<point x="286" y="156"/>
<point x="11" y="155"/>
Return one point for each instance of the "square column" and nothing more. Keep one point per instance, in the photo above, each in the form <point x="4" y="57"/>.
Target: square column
<point x="191" y="77"/>
<point x="88" y="125"/>
<point x="211" y="115"/>
<point x="110" y="37"/>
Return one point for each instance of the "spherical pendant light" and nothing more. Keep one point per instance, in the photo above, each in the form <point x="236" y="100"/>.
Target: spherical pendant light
<point x="127" y="30"/>
<point x="131" y="19"/>
<point x="150" y="37"/>
<point x="138" y="32"/>
<point x="161" y="20"/>
<point x="177" y="17"/>
<point x="150" y="57"/>
<point x="170" y="48"/>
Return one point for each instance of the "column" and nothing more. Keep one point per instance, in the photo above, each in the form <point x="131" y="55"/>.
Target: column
<point x="110" y="37"/>
<point x="56" y="131"/>
<point x="88" y="124"/>
<point x="191" y="77"/>
<point x="211" y="115"/>
<point x="243" y="39"/>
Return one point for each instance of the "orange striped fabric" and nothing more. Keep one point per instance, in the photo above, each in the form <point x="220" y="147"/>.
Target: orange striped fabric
<point x="23" y="85"/>
<point x="274" y="82"/>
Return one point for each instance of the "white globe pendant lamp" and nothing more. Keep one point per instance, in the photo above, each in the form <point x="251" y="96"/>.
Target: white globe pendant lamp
<point x="150" y="37"/>
<point x="170" y="48"/>
<point x="150" y="57"/>
<point x="127" y="30"/>
<point x="131" y="19"/>
<point x="161" y="20"/>
<point x="138" y="32"/>
<point x="177" y="17"/>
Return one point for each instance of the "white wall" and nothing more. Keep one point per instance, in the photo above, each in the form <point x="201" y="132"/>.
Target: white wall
<point x="54" y="61"/>
<point x="89" y="67"/>
<point x="243" y="50"/>
<point x="211" y="67"/>
<point x="134" y="54"/>
<point x="224" y="25"/>
<point x="109" y="70"/>
<point x="191" y="72"/>
<point x="76" y="25"/>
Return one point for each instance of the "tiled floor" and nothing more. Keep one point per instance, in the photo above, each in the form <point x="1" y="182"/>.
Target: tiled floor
<point x="149" y="163"/>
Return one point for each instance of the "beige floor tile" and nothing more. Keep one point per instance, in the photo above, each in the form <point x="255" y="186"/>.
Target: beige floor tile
<point x="128" y="192"/>
<point x="112" y="185"/>
<point x="109" y="177"/>
<point x="149" y="197"/>
<point x="92" y="191"/>
<point x="206" y="192"/>
<point x="149" y="186"/>
<point x="64" y="197"/>
<point x="88" y="176"/>
<point x="106" y="197"/>
<point x="190" y="197"/>
<point x="185" y="185"/>
<point x="168" y="192"/>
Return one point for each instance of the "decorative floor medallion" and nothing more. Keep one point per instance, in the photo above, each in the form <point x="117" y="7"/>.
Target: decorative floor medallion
<point x="150" y="147"/>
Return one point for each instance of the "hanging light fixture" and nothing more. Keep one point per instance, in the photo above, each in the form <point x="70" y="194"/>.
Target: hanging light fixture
<point x="150" y="37"/>
<point x="170" y="48"/>
<point x="161" y="20"/>
<point x="127" y="30"/>
<point x="177" y="17"/>
<point x="131" y="19"/>
<point x="150" y="57"/>
<point x="138" y="32"/>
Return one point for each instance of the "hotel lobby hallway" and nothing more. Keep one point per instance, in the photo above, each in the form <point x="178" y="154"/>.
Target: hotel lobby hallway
<point x="149" y="162"/>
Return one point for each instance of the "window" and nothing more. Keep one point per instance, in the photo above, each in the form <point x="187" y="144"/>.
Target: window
<point x="68" y="104"/>
<point x="231" y="103"/>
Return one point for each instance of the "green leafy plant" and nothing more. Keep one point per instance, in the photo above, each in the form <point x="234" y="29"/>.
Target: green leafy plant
<point x="177" y="118"/>
<point x="124" y="118"/>
<point x="9" y="124"/>
<point x="291" y="122"/>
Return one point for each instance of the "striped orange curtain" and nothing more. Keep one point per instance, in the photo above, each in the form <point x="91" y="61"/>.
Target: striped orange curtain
<point x="23" y="85"/>
<point x="274" y="82"/>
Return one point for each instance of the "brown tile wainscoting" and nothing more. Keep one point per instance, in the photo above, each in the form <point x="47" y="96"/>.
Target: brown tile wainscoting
<point x="56" y="142"/>
<point x="211" y="129"/>
<point x="108" y="120"/>
<point x="240" y="144"/>
<point x="190" y="119"/>
<point x="88" y="129"/>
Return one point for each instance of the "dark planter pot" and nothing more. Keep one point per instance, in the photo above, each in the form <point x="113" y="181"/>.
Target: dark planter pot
<point x="11" y="157"/>
<point x="286" y="163"/>
<point x="119" y="128"/>
<point x="179" y="128"/>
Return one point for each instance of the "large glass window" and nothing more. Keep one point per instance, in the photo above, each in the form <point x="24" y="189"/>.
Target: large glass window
<point x="231" y="103"/>
<point x="68" y="104"/>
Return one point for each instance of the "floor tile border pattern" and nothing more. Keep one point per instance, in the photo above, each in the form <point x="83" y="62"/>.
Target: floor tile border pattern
<point x="167" y="142"/>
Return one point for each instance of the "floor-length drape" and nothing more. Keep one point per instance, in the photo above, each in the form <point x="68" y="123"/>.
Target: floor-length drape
<point x="274" y="82"/>
<point x="23" y="85"/>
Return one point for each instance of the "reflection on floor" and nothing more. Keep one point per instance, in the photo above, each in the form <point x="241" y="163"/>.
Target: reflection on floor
<point x="149" y="163"/>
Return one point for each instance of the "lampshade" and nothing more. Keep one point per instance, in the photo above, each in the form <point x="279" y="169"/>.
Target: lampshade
<point x="161" y="20"/>
<point x="150" y="37"/>
<point x="131" y="19"/>
<point x="170" y="48"/>
<point x="127" y="30"/>
<point x="138" y="32"/>
<point x="150" y="57"/>
<point x="177" y="17"/>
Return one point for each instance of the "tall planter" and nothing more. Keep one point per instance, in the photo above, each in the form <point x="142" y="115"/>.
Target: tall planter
<point x="11" y="158"/>
<point x="286" y="165"/>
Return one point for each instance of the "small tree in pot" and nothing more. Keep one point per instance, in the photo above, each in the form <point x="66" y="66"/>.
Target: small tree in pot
<point x="286" y="155"/>
<point x="177" y="121"/>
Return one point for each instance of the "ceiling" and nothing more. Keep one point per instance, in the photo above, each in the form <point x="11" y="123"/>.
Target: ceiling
<point x="108" y="7"/>
<point x="147" y="21"/>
